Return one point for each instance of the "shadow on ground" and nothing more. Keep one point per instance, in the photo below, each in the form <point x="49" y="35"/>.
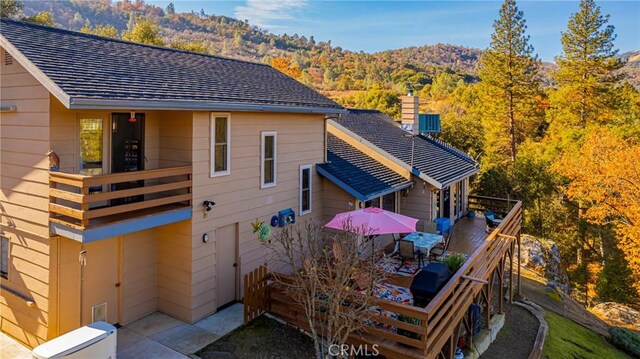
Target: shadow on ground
<point x="263" y="338"/>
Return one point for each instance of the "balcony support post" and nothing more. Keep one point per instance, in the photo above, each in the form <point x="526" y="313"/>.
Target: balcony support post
<point x="84" y="207"/>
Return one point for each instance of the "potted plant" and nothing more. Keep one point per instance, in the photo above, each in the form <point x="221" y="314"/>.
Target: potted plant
<point x="410" y="320"/>
<point x="454" y="261"/>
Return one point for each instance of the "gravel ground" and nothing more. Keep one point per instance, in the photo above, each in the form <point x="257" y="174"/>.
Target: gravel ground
<point x="516" y="338"/>
<point x="263" y="338"/>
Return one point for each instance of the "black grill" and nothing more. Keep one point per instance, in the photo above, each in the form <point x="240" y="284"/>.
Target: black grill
<point x="428" y="282"/>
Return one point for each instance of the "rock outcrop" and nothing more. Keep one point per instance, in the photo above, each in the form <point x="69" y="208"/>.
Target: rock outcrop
<point x="618" y="314"/>
<point x="543" y="257"/>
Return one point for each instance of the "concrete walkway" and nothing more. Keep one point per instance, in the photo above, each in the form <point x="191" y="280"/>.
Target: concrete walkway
<point x="10" y="348"/>
<point x="161" y="336"/>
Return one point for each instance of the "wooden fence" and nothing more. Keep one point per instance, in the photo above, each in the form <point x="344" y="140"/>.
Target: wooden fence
<point x="255" y="293"/>
<point x="75" y="200"/>
<point x="439" y="325"/>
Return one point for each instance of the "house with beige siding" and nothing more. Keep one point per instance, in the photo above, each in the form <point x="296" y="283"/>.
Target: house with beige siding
<point x="162" y="160"/>
<point x="131" y="176"/>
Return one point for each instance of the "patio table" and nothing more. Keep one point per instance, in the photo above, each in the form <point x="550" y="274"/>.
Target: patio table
<point x="424" y="242"/>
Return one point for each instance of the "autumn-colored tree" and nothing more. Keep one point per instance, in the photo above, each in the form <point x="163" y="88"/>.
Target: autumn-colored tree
<point x="586" y="75"/>
<point x="605" y="179"/>
<point x="460" y="119"/>
<point x="193" y="46"/>
<point x="510" y="86"/>
<point x="42" y="18"/>
<point x="10" y="8"/>
<point x="101" y="30"/>
<point x="382" y="100"/>
<point x="145" y="31"/>
<point x="284" y="65"/>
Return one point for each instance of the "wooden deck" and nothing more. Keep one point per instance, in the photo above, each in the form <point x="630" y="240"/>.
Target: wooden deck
<point x="480" y="281"/>
<point x="468" y="235"/>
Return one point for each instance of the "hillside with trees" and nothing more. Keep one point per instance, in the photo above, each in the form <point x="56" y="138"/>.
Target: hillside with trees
<point x="564" y="138"/>
<point x="323" y="66"/>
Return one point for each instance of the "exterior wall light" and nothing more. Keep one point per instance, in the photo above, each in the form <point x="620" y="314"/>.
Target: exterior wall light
<point x="205" y="238"/>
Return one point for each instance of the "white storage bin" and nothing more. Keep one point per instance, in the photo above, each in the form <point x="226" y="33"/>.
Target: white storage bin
<point x="95" y="341"/>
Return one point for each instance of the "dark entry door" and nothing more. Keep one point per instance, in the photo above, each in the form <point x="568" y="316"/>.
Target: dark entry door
<point x="127" y="151"/>
<point x="446" y="202"/>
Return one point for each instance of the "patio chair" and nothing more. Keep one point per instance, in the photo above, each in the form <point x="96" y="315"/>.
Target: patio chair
<point x="430" y="227"/>
<point x="491" y="219"/>
<point x="406" y="251"/>
<point x="441" y="248"/>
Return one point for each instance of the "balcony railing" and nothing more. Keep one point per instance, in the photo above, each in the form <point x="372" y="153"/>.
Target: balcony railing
<point x="500" y="206"/>
<point x="82" y="202"/>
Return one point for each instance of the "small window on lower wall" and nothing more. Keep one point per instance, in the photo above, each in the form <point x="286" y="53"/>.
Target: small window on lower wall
<point x="305" y="189"/>
<point x="4" y="258"/>
<point x="389" y="202"/>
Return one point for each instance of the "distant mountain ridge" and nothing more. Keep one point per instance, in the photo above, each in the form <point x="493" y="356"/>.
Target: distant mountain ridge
<point x="325" y="67"/>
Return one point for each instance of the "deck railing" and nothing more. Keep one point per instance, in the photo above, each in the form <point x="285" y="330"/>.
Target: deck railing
<point x="500" y="206"/>
<point x="438" y="327"/>
<point x="75" y="200"/>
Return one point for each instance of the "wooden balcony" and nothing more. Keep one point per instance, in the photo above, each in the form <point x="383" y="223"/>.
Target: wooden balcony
<point x="82" y="202"/>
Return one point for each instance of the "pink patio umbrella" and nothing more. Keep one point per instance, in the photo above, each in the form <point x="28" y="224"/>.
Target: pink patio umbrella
<point x="373" y="221"/>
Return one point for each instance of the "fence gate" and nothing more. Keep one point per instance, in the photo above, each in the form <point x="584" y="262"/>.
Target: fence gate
<point x="255" y="293"/>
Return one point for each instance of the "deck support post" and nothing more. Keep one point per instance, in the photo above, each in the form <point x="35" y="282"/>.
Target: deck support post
<point x="519" y="261"/>
<point x="471" y="326"/>
<point x="511" y="272"/>
<point x="501" y="281"/>
<point x="487" y="297"/>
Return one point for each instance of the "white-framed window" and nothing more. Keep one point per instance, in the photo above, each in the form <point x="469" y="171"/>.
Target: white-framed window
<point x="435" y="204"/>
<point x="268" y="159"/>
<point x="305" y="189"/>
<point x="220" y="144"/>
<point x="388" y="202"/>
<point x="4" y="257"/>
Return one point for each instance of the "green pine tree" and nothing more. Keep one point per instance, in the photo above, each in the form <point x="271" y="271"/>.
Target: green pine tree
<point x="510" y="86"/>
<point x="587" y="76"/>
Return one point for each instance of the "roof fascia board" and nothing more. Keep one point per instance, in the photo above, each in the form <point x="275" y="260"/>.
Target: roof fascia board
<point x="35" y="71"/>
<point x="461" y="177"/>
<point x="340" y="184"/>
<point x="384" y="153"/>
<point x="100" y="104"/>
<point x="390" y="190"/>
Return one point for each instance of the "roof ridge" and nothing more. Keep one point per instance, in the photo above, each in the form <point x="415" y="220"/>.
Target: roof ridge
<point x="82" y="34"/>
<point x="447" y="147"/>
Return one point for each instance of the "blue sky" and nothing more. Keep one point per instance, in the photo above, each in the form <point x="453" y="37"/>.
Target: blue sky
<point x="373" y="26"/>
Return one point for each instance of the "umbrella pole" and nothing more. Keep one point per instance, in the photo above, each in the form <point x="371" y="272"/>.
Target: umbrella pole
<point x="373" y="247"/>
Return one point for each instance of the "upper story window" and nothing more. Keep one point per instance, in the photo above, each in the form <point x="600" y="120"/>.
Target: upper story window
<point x="220" y="144"/>
<point x="4" y="257"/>
<point x="305" y="189"/>
<point x="269" y="159"/>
